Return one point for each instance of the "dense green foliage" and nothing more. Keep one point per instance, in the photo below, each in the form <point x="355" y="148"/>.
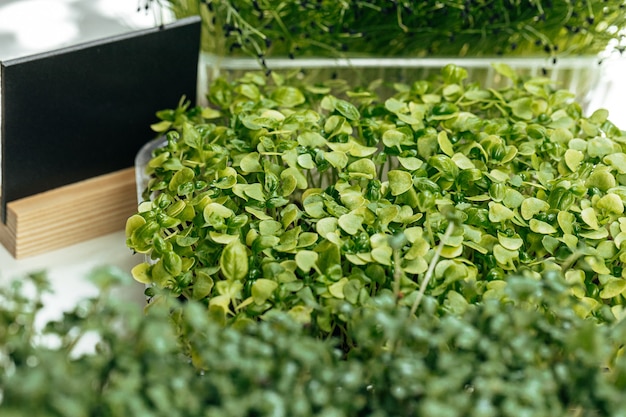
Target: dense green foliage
<point x="287" y="197"/>
<point x="266" y="28"/>
<point x="527" y="355"/>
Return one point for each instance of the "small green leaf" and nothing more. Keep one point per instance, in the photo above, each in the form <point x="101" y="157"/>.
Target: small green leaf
<point x="617" y="161"/>
<point x="314" y="206"/>
<point x="306" y="161"/>
<point x="550" y="243"/>
<point x="499" y="213"/>
<point x="463" y="162"/>
<point x="352" y="290"/>
<point x="394" y="138"/>
<point x="336" y="289"/>
<point x="203" y="285"/>
<point x="337" y="125"/>
<point x="510" y="243"/>
<point x="597" y="265"/>
<point x="161" y="126"/>
<point x="541" y="227"/>
<point x="360" y="151"/>
<point x="453" y="74"/>
<point x="250" y="163"/>
<point x="601" y="146"/>
<point x="141" y="273"/>
<point x="601" y="179"/>
<point x="259" y="214"/>
<point x="573" y="159"/>
<point x="337" y="159"/>
<point x="363" y="168"/>
<point x="306" y="260"/>
<point x="220" y="305"/>
<point x="521" y="108"/>
<point x="172" y="263"/>
<point x="287" y="96"/>
<point x="209" y="113"/>
<point x="505" y="70"/>
<point x="181" y="177"/>
<point x="270" y="227"/>
<point x="613" y="288"/>
<point x="248" y="90"/>
<point x="262" y="290"/>
<point x="191" y="136"/>
<point x="311" y="140"/>
<point x="350" y="223"/>
<point x="512" y="198"/>
<point x="599" y="116"/>
<point x="532" y="206"/>
<point x="301" y="181"/>
<point x="611" y="203"/>
<point x="445" y="166"/>
<point x="254" y="191"/>
<point x="561" y="135"/>
<point x="222" y="238"/>
<point x="234" y="261"/>
<point x="133" y="223"/>
<point x="301" y="314"/>
<point x="410" y="163"/>
<point x="186" y="241"/>
<point x="395" y="106"/>
<point x="307" y="239"/>
<point x="347" y="109"/>
<point x="327" y="225"/>
<point x="399" y="182"/>
<point x="218" y="210"/>
<point x="444" y="143"/>
<point x="588" y="215"/>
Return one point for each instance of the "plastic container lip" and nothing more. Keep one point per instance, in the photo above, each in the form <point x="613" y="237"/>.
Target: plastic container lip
<point x="242" y="63"/>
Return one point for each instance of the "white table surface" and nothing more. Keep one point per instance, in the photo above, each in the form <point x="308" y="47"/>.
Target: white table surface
<point x="68" y="271"/>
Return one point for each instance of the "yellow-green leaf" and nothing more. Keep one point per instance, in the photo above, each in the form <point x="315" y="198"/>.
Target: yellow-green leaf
<point x="306" y="260"/>
<point x="399" y="181"/>
<point x="573" y="159"/>
<point x="613" y="288"/>
<point x="336" y="289"/>
<point x="141" y="273"/>
<point x="234" y="261"/>
<point x="532" y="206"/>
<point x="611" y="203"/>
<point x="350" y="223"/>
<point x="499" y="213"/>
<point x="588" y="215"/>
<point x="540" y="227"/>
<point x="262" y="289"/>
<point x="444" y="143"/>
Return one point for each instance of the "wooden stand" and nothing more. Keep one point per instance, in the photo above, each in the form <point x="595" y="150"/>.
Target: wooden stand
<point x="69" y="214"/>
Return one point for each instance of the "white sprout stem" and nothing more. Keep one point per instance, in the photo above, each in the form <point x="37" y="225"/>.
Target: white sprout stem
<point x="431" y="268"/>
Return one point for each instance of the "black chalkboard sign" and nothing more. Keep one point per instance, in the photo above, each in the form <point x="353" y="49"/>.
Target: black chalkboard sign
<point x="85" y="110"/>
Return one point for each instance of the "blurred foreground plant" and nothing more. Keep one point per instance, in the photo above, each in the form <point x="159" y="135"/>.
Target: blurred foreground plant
<point x="527" y="354"/>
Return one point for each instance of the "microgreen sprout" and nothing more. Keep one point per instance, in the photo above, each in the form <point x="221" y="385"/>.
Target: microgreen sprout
<point x="450" y="28"/>
<point x="288" y="196"/>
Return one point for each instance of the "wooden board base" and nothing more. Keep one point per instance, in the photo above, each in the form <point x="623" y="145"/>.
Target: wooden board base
<point x="69" y="214"/>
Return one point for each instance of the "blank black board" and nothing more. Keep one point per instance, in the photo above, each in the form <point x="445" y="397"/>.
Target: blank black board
<point x="85" y="110"/>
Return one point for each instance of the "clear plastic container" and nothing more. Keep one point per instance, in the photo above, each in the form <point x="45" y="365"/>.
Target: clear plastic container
<point x="143" y="157"/>
<point x="581" y="75"/>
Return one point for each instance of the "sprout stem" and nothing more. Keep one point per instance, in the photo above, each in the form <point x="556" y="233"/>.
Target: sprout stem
<point x="431" y="268"/>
